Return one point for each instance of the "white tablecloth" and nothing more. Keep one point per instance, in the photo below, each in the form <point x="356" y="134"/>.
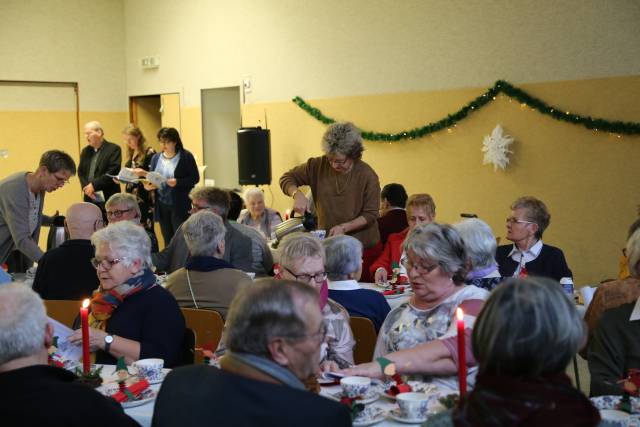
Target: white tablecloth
<point x="393" y="300"/>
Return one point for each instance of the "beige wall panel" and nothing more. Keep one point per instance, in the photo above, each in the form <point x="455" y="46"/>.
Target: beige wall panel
<point x="170" y="114"/>
<point x="149" y="120"/>
<point x="588" y="179"/>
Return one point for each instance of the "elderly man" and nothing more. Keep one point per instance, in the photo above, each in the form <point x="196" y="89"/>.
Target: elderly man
<point x="207" y="280"/>
<point x="98" y="159"/>
<point x="21" y="201"/>
<point x="124" y="207"/>
<point x="34" y="394"/>
<point x="274" y="331"/>
<point x="66" y="272"/>
<point x="237" y="246"/>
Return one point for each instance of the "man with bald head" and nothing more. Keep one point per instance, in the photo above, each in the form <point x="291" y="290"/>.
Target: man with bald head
<point x="66" y="271"/>
<point x="99" y="158"/>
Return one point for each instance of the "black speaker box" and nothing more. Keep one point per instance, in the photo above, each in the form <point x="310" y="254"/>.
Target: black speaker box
<point x="254" y="156"/>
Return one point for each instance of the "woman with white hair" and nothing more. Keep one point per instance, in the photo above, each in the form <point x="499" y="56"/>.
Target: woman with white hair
<point x="344" y="266"/>
<point x="523" y="340"/>
<point x="614" y="348"/>
<point x="420" y="336"/>
<point x="257" y="215"/>
<point x="131" y="315"/>
<point x="207" y="281"/>
<point x="302" y="258"/>
<point x="480" y="244"/>
<point x="345" y="189"/>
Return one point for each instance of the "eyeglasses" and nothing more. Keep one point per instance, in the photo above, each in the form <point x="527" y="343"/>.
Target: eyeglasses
<point x="335" y="162"/>
<point x="105" y="263"/>
<point x="318" y="277"/>
<point x="421" y="269"/>
<point x="511" y="220"/>
<point x="196" y="208"/>
<point x="117" y="213"/>
<point x="318" y="336"/>
<point x="60" y="179"/>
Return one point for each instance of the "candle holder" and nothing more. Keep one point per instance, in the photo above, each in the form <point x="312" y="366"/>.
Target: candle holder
<point x="91" y="378"/>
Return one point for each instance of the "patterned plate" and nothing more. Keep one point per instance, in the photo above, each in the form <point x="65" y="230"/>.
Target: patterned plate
<point x="611" y="402"/>
<point x="370" y="416"/>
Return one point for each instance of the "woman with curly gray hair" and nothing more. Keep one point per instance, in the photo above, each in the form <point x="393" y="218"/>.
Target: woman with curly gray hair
<point x="345" y="190"/>
<point x="131" y="315"/>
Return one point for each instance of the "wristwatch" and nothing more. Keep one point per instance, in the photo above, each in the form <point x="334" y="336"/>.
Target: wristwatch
<point x="107" y="342"/>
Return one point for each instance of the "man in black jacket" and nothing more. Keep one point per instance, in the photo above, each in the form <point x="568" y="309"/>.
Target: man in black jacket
<point x="98" y="159"/>
<point x="273" y="335"/>
<point x="34" y="394"/>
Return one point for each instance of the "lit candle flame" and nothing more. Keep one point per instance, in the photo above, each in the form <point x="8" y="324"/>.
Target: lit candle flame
<point x="85" y="303"/>
<point x="459" y="313"/>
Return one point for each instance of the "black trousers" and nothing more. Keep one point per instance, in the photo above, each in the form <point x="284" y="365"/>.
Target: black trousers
<point x="169" y="220"/>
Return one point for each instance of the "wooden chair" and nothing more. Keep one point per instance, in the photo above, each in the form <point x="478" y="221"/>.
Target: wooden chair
<point x="64" y="311"/>
<point x="206" y="326"/>
<point x="365" y="335"/>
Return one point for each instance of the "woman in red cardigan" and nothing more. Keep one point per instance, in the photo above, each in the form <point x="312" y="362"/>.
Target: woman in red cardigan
<point x="421" y="209"/>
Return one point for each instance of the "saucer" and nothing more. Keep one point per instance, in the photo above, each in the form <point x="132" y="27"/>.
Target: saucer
<point x="156" y="381"/>
<point x="372" y="395"/>
<point x="369" y="416"/>
<point x="397" y="415"/>
<point x="146" y="397"/>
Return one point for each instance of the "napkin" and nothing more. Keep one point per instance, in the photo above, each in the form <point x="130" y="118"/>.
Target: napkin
<point x="134" y="389"/>
<point x="587" y="294"/>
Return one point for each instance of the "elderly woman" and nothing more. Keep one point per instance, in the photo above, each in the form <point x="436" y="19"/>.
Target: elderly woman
<point x="345" y="190"/>
<point x="421" y="209"/>
<point x="344" y="266"/>
<point x="131" y="316"/>
<point x="524" y="338"/>
<point x="207" y="280"/>
<point x="528" y="255"/>
<point x="420" y="335"/>
<point x="125" y="207"/>
<point x="258" y="215"/>
<point x="139" y="160"/>
<point x="614" y="347"/>
<point x="302" y="258"/>
<point x="178" y="166"/>
<point x="480" y="244"/>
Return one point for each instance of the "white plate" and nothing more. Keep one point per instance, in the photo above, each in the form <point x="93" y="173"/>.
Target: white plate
<point x="372" y="395"/>
<point x="396" y="415"/>
<point x="416" y="386"/>
<point x="147" y="396"/>
<point x="370" y="416"/>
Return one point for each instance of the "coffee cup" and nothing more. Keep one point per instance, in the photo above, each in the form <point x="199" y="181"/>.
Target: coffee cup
<point x="413" y="406"/>
<point x="151" y="369"/>
<point x="355" y="386"/>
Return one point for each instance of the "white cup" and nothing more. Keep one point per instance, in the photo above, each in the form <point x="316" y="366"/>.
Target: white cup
<point x="151" y="369"/>
<point x="355" y="386"/>
<point x="250" y="274"/>
<point x="614" y="418"/>
<point x="413" y="406"/>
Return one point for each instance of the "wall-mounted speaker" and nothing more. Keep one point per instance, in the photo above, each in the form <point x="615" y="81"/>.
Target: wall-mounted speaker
<point x="254" y="156"/>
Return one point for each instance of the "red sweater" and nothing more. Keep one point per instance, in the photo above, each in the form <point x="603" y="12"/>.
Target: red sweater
<point x="391" y="253"/>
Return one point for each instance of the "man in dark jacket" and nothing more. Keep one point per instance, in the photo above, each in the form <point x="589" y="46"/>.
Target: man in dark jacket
<point x="98" y="159"/>
<point x="273" y="335"/>
<point x="34" y="394"/>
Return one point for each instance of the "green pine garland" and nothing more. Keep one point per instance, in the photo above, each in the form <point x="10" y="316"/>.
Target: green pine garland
<point x="501" y="86"/>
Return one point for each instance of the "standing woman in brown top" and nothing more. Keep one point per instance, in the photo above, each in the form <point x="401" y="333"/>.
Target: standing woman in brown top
<point x="139" y="160"/>
<point x="345" y="190"/>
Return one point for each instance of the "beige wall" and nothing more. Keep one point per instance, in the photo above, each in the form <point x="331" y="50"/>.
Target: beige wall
<point x="333" y="48"/>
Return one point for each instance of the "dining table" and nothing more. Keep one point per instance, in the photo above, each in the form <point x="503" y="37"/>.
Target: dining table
<point x="393" y="300"/>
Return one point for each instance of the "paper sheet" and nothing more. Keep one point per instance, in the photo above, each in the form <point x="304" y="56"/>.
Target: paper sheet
<point x="66" y="350"/>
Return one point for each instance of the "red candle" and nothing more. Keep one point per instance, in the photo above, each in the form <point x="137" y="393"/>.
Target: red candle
<point x="462" y="355"/>
<point x="84" y="317"/>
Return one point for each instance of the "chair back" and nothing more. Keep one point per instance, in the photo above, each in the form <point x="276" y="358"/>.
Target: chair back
<point x="206" y="326"/>
<point x="365" y="335"/>
<point x="64" y="311"/>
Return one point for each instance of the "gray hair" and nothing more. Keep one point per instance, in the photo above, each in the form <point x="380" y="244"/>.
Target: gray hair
<point x="265" y="310"/>
<point x="203" y="231"/>
<point x="344" y="256"/>
<point x="22" y="323"/>
<point x="528" y="327"/>
<point x="127" y="240"/>
<point x="633" y="254"/>
<point x="251" y="193"/>
<point x="343" y="138"/>
<point x="536" y="211"/>
<point x="442" y="244"/>
<point x="299" y="245"/>
<point x="127" y="200"/>
<point x="479" y="242"/>
<point x="95" y="125"/>
<point x="215" y="197"/>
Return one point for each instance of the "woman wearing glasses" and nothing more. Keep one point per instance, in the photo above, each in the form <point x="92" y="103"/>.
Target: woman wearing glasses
<point x="125" y="207"/>
<point x="302" y="258"/>
<point x="131" y="315"/>
<point x="419" y="336"/>
<point x="345" y="189"/>
<point x="528" y="255"/>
